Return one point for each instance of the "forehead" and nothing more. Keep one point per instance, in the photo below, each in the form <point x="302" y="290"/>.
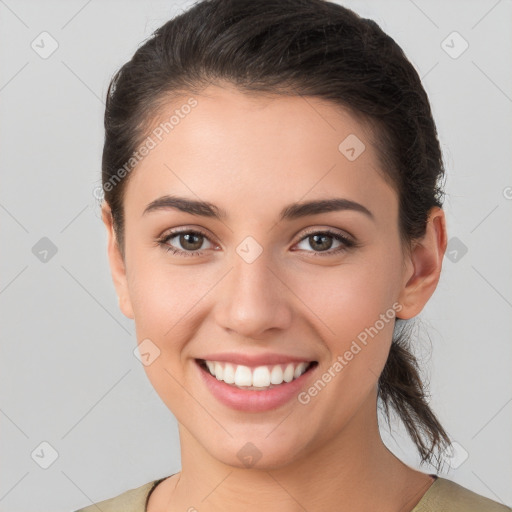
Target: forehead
<point x="256" y="152"/>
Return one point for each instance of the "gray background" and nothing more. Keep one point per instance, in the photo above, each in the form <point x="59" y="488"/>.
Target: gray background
<point x="69" y="376"/>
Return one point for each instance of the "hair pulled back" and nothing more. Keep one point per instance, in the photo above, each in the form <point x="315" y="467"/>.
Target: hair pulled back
<point x="307" y="47"/>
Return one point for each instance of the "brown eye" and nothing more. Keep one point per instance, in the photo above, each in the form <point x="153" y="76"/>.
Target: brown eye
<point x="184" y="242"/>
<point x="190" y="241"/>
<point x="322" y="242"/>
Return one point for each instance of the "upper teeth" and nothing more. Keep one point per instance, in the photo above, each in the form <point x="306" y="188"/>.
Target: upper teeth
<point x="261" y="376"/>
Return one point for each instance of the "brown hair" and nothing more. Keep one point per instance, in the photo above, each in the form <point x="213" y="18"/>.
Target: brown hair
<point x="307" y="47"/>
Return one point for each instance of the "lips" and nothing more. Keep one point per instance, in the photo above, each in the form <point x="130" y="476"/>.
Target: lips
<point x="253" y="401"/>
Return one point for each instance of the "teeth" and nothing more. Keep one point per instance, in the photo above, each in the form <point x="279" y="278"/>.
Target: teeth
<point x="243" y="375"/>
<point x="229" y="374"/>
<point x="261" y="377"/>
<point x="219" y="371"/>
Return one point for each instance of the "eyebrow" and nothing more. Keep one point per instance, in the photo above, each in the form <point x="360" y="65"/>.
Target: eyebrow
<point x="290" y="212"/>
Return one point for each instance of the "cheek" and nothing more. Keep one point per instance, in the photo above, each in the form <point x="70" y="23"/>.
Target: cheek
<point x="351" y="297"/>
<point x="354" y="313"/>
<point x="163" y="299"/>
<point x="160" y="292"/>
<point x="354" y="308"/>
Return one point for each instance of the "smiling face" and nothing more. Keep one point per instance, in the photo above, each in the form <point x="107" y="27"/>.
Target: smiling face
<point x="258" y="275"/>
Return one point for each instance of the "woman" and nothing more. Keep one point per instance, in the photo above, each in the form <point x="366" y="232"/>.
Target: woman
<point x="273" y="205"/>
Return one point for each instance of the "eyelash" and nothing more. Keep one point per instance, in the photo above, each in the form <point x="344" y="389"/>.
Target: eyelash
<point x="347" y="242"/>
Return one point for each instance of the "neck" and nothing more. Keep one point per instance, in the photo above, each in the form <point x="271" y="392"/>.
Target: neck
<point x="352" y="470"/>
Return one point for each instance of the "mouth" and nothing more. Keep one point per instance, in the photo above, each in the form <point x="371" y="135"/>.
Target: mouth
<point x="280" y="375"/>
<point x="261" y="398"/>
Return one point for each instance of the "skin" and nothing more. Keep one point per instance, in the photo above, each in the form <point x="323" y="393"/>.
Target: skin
<point x="252" y="156"/>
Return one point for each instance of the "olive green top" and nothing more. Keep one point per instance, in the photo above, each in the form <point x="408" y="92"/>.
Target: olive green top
<point x="442" y="496"/>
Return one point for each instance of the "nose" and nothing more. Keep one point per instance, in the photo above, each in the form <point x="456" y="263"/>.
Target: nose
<point x="254" y="299"/>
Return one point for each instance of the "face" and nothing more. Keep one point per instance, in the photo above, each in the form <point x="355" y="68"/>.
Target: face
<point x="308" y="284"/>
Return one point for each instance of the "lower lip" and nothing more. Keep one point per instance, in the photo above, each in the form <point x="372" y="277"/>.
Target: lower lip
<point x="248" y="400"/>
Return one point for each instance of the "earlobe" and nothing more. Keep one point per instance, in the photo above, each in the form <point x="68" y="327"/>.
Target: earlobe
<point x="426" y="260"/>
<point x="117" y="263"/>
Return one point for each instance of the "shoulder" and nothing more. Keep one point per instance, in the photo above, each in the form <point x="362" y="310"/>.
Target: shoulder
<point x="133" y="500"/>
<point x="445" y="495"/>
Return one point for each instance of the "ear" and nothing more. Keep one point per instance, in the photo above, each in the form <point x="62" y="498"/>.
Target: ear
<point x="117" y="264"/>
<point x="424" y="266"/>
